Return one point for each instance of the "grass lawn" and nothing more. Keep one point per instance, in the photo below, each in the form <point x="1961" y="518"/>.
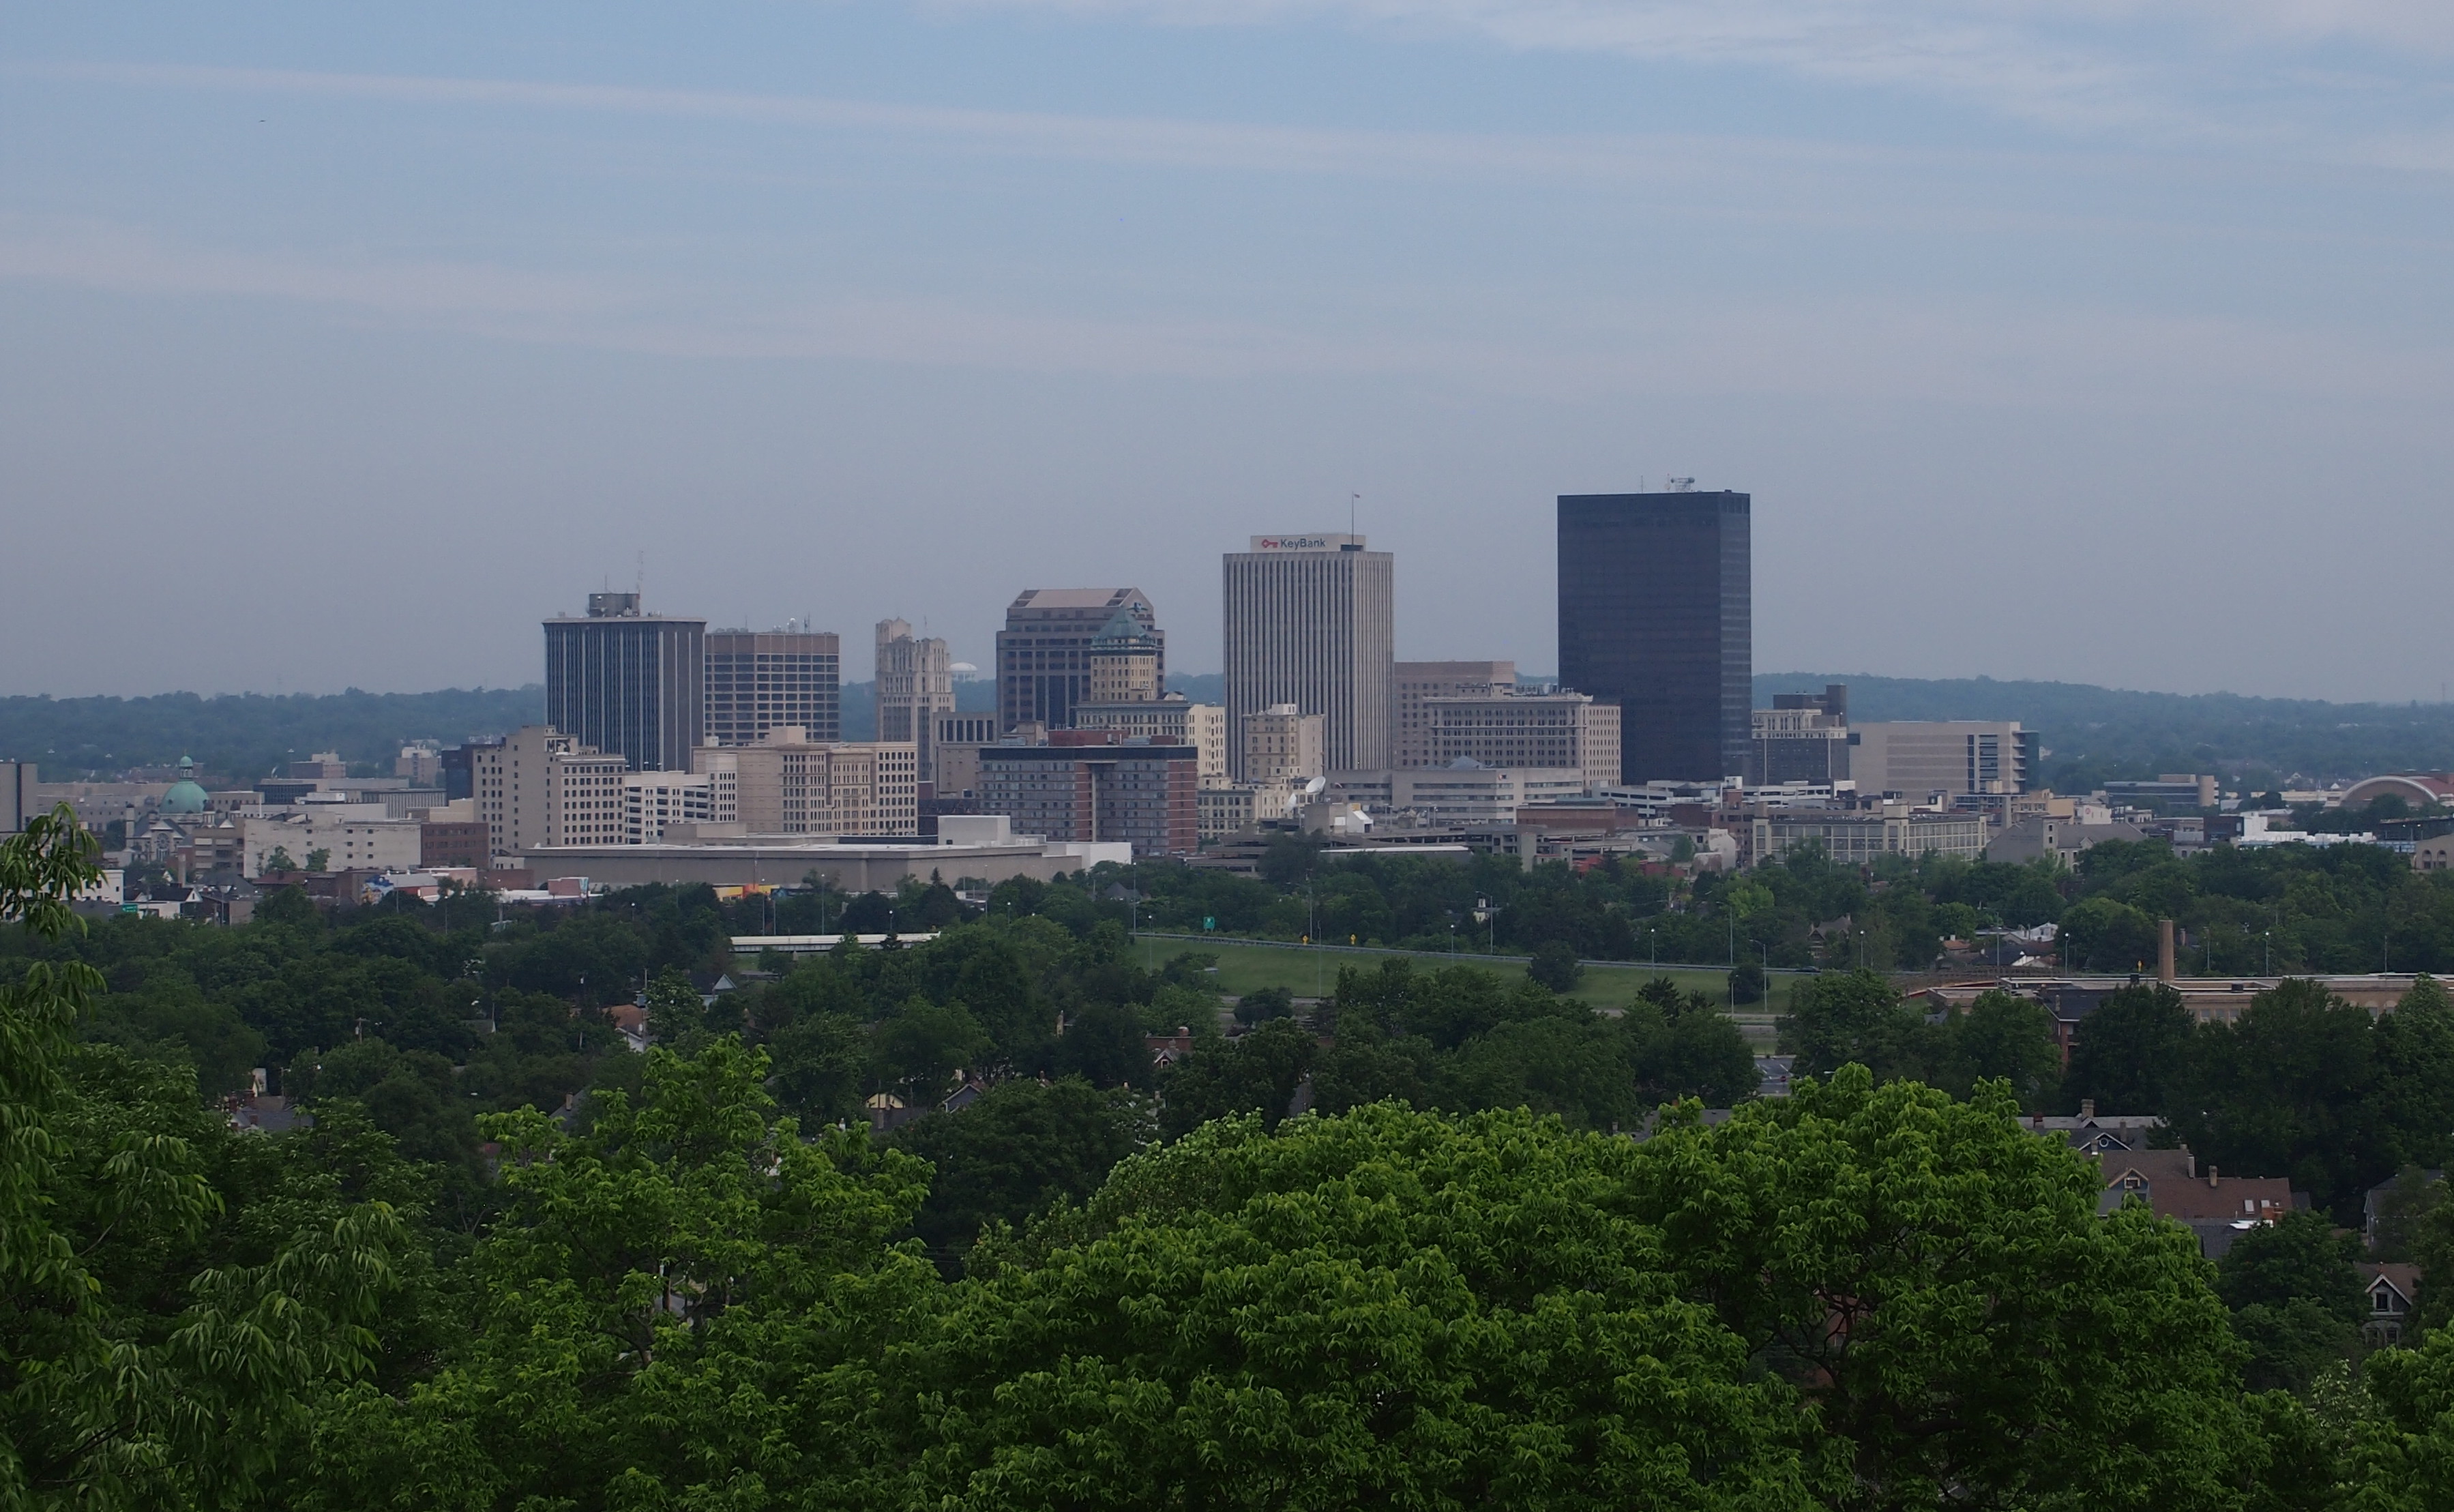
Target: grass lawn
<point x="1245" y="966"/>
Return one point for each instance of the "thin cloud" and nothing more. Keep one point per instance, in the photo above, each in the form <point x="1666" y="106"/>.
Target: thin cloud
<point x="1958" y="352"/>
<point x="1143" y="140"/>
<point x="115" y="258"/>
<point x="2175" y="67"/>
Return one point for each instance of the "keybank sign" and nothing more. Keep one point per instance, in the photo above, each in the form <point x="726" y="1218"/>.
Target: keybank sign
<point x="1303" y="543"/>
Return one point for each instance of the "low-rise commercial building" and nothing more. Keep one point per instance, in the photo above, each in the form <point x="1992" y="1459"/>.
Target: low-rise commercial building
<point x="980" y="847"/>
<point x="1467" y="793"/>
<point x="1226" y="811"/>
<point x="331" y="837"/>
<point x="1857" y="836"/>
<point x="2063" y="841"/>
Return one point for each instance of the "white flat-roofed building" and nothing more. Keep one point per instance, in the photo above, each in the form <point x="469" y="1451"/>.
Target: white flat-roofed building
<point x="979" y="846"/>
<point x="1467" y="793"/>
<point x="651" y="801"/>
<point x="352" y="836"/>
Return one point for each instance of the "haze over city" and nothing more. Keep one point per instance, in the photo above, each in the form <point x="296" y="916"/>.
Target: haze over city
<point x="2097" y="344"/>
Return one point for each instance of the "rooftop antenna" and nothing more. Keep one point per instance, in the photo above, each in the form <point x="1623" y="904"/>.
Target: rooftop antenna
<point x="1351" y="499"/>
<point x="639" y="582"/>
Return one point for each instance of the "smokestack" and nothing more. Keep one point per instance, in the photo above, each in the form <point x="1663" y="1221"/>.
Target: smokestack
<point x="2164" y="951"/>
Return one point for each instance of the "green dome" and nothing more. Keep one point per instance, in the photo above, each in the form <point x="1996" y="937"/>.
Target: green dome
<point x="185" y="797"/>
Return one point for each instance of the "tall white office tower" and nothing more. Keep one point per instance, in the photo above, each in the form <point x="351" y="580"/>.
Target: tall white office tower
<point x="1308" y="622"/>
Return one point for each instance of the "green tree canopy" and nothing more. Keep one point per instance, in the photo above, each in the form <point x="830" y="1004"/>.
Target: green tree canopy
<point x="2129" y="1051"/>
<point x="162" y="1336"/>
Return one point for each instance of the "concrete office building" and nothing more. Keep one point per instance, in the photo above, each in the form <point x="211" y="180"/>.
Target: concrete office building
<point x="1308" y="621"/>
<point x="1951" y="758"/>
<point x="1417" y="680"/>
<point x="543" y="787"/>
<point x="1166" y="721"/>
<point x="787" y="784"/>
<point x="916" y="685"/>
<point x="354" y="836"/>
<point x="954" y="744"/>
<point x="1281" y="745"/>
<point x="758" y="680"/>
<point x="1655" y="617"/>
<point x="1232" y="810"/>
<point x="1546" y="729"/>
<point x="1143" y="794"/>
<point x="655" y="801"/>
<point x="628" y="683"/>
<point x="1043" y="653"/>
<point x="1802" y="738"/>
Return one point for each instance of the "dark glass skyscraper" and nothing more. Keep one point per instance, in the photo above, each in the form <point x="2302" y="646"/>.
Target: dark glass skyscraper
<point x="628" y="682"/>
<point x="1654" y="616"/>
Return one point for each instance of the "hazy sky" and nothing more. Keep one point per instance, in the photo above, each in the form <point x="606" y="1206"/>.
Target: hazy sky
<point x="2104" y="340"/>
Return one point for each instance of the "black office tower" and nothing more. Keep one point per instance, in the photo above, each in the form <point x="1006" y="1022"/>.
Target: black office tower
<point x="628" y="683"/>
<point x="1655" y="617"/>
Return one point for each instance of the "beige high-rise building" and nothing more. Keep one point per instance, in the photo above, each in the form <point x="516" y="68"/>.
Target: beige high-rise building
<point x="542" y="787"/>
<point x="1525" y="729"/>
<point x="758" y="680"/>
<point x="1282" y="745"/>
<point x="1309" y="621"/>
<point x="916" y="684"/>
<point x="1124" y="663"/>
<point x="788" y="784"/>
<point x="1419" y="680"/>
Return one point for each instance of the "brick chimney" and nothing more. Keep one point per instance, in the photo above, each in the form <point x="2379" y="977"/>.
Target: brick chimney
<point x="2087" y="1107"/>
<point x="2211" y="1176"/>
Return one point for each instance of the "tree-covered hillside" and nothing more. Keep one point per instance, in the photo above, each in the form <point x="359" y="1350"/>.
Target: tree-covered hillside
<point x="2092" y="734"/>
<point x="243" y="735"/>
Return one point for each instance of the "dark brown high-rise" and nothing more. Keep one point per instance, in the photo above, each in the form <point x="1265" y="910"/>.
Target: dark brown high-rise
<point x="1655" y="617"/>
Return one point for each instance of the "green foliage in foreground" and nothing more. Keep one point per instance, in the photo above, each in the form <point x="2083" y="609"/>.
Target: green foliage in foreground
<point x="1870" y="1294"/>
